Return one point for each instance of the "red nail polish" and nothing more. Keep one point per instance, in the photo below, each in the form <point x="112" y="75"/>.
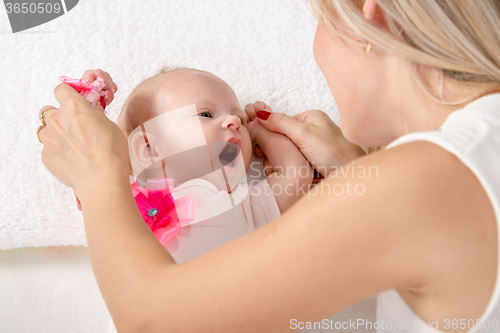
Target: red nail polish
<point x="264" y="115"/>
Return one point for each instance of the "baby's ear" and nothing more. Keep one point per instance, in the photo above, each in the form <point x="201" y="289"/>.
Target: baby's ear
<point x="143" y="150"/>
<point x="77" y="201"/>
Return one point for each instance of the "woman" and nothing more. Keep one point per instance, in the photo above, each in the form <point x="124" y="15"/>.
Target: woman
<point x="422" y="233"/>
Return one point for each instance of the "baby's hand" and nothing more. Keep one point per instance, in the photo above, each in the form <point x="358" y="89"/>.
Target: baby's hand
<point x="111" y="87"/>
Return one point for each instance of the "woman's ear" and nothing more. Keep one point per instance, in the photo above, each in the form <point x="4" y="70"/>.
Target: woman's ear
<point x="369" y="10"/>
<point x="373" y="13"/>
<point x="144" y="150"/>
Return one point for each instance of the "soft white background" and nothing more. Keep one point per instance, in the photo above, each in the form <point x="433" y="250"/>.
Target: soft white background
<point x="262" y="48"/>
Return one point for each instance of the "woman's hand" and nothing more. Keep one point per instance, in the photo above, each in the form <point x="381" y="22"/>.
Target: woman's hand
<point x="316" y="135"/>
<point x="82" y="147"/>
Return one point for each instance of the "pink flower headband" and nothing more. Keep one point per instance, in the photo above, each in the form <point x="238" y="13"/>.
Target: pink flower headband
<point x="92" y="91"/>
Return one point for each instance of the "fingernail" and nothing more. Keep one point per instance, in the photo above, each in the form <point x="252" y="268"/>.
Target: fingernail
<point x="317" y="175"/>
<point x="264" y="115"/>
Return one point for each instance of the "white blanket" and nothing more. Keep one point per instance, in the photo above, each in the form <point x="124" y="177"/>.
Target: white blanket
<point x="263" y="49"/>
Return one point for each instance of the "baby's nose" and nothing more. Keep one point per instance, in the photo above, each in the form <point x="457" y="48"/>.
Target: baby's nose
<point x="231" y="121"/>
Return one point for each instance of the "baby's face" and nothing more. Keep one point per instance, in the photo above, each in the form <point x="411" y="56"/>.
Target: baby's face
<point x="218" y="112"/>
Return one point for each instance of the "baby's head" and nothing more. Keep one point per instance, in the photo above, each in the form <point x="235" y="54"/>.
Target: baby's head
<point x="190" y="142"/>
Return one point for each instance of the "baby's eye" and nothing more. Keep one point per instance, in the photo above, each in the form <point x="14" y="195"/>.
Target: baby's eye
<point x="205" y="114"/>
<point x="242" y="120"/>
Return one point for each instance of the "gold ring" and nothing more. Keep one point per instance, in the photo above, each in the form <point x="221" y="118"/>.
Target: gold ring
<point x="42" y="114"/>
<point x="38" y="133"/>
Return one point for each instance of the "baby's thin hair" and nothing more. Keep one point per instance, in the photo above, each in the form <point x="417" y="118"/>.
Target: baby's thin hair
<point x="169" y="69"/>
<point x="135" y="119"/>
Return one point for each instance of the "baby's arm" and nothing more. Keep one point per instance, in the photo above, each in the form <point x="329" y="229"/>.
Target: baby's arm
<point x="292" y="174"/>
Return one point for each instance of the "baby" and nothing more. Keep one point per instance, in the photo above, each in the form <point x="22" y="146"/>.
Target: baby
<point x="187" y="125"/>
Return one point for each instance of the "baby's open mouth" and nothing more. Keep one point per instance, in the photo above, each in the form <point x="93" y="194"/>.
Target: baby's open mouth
<point x="228" y="155"/>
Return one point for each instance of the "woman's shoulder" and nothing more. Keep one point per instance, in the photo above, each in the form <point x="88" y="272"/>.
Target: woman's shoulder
<point x="422" y="173"/>
<point x="446" y="217"/>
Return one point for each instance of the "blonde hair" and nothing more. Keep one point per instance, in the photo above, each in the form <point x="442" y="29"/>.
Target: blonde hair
<point x="458" y="38"/>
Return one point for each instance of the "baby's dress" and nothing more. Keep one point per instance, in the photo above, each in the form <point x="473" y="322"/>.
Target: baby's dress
<point x="220" y="217"/>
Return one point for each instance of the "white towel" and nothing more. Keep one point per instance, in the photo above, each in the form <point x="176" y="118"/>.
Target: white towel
<point x="263" y="49"/>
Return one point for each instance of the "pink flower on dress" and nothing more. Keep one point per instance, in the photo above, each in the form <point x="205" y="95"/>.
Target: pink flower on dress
<point x="156" y="209"/>
<point x="163" y="215"/>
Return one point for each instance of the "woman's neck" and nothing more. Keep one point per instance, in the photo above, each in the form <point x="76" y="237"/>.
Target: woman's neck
<point x="426" y="112"/>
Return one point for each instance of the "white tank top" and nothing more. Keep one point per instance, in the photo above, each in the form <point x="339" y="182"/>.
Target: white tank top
<point x="472" y="134"/>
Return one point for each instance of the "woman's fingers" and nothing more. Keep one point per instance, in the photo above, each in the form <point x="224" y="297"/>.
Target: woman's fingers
<point x="284" y="124"/>
<point x="42" y="114"/>
<point x="268" y="169"/>
<point x="319" y="139"/>
<point x="311" y="116"/>
<point x="40" y="134"/>
<point x="252" y="109"/>
<point x="79" y="140"/>
<point x="65" y="93"/>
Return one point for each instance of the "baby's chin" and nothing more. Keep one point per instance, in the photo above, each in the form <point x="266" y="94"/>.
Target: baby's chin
<point x="227" y="177"/>
<point x="234" y="177"/>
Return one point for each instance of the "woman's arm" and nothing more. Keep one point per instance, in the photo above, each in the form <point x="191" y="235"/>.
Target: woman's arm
<point x="87" y="152"/>
<point x="123" y="251"/>
<point x="327" y="252"/>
